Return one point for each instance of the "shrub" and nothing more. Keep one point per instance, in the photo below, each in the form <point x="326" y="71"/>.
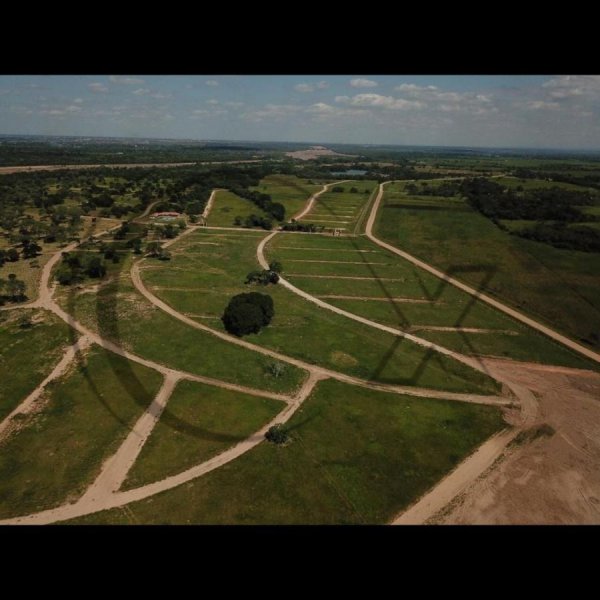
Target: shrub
<point x="277" y="435"/>
<point x="275" y="266"/>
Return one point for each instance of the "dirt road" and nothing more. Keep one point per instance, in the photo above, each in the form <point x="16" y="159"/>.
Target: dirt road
<point x="471" y="362"/>
<point x="313" y="198"/>
<point x="61" y="367"/>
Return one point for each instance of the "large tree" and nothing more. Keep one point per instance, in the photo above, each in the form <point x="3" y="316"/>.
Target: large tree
<point x="248" y="313"/>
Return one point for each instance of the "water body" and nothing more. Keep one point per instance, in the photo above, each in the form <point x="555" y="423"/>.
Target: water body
<point x="348" y="172"/>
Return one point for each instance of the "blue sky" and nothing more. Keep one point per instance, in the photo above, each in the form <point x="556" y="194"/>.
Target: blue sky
<point x="521" y="111"/>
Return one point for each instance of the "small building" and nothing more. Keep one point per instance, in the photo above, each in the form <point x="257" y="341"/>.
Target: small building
<point x="165" y="216"/>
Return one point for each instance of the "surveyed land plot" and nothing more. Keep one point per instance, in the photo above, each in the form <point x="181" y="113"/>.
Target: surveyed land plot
<point x="557" y="286"/>
<point x="58" y="450"/>
<point x="355" y="456"/>
<point x="360" y="277"/>
<point x="120" y="314"/>
<point x="289" y="190"/>
<point x="342" y="210"/>
<point x="227" y="206"/>
<point x="213" y="273"/>
<point x="201" y="422"/>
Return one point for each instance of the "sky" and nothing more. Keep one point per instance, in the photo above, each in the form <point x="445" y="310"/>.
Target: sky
<point x="491" y="111"/>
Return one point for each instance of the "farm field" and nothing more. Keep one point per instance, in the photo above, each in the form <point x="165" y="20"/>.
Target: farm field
<point x="28" y="354"/>
<point x="57" y="451"/>
<point x="356" y="384"/>
<point x="120" y="314"/>
<point x="291" y="191"/>
<point x="227" y="206"/>
<point x="355" y="457"/>
<point x="200" y="422"/>
<point x="394" y="292"/>
<point x="554" y="285"/>
<point x="219" y="266"/>
<point x="343" y="210"/>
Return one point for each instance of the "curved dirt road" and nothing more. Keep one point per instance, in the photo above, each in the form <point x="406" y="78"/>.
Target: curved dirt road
<point x="313" y="198"/>
<point x="470" y="362"/>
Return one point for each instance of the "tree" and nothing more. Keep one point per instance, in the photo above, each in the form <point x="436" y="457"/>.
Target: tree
<point x="353" y="190"/>
<point x="277" y="210"/>
<point x="31" y="249"/>
<point x="153" y="249"/>
<point x="15" y="288"/>
<point x="275" y="266"/>
<point x="12" y="255"/>
<point x="95" y="268"/>
<point x="277" y="369"/>
<point x="248" y="313"/>
<point x="263" y="277"/>
<point x="277" y="435"/>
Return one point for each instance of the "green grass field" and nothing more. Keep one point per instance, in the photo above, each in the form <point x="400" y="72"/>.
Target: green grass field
<point x="119" y="313"/>
<point x="391" y="280"/>
<point x="342" y="210"/>
<point x="59" y="451"/>
<point x="213" y="268"/>
<point x="558" y="287"/>
<point x="356" y="456"/>
<point x="28" y="355"/>
<point x="227" y="206"/>
<point x="289" y="190"/>
<point x="200" y="421"/>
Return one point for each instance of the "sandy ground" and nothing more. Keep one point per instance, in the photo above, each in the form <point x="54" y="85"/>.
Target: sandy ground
<point x="314" y="152"/>
<point x="550" y="480"/>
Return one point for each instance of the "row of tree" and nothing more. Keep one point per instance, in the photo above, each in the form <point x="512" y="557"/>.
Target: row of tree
<point x="499" y="202"/>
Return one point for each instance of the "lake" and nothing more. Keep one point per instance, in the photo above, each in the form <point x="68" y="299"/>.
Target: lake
<point x="348" y="172"/>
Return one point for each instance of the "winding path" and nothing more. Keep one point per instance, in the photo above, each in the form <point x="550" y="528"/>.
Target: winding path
<point x="313" y="198"/>
<point x="103" y="493"/>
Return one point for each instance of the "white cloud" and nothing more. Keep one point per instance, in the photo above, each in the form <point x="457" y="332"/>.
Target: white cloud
<point x="78" y="100"/>
<point x="273" y="111"/>
<point x="433" y="97"/>
<point x="57" y="112"/>
<point x="542" y="105"/>
<point x="234" y="104"/>
<point x="98" y="88"/>
<point x="161" y="95"/>
<point x="200" y="111"/>
<point x="212" y="82"/>
<point x="573" y="85"/>
<point x="322" y="110"/>
<point x="413" y="89"/>
<point x="311" y="87"/>
<point x="121" y="79"/>
<point x="363" y="83"/>
<point x="379" y="101"/>
<point x="212" y="101"/>
<point x="141" y="91"/>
